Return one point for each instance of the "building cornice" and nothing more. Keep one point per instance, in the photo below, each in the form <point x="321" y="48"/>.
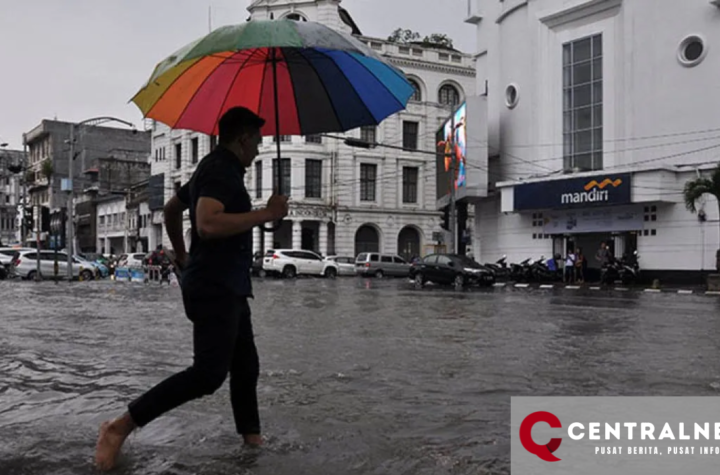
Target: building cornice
<point x="581" y="9"/>
<point x="448" y="69"/>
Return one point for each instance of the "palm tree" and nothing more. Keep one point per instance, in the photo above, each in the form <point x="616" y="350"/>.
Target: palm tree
<point x="699" y="187"/>
<point x="47" y="169"/>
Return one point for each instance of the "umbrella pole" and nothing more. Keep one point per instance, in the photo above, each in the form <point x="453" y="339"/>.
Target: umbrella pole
<point x="278" y="185"/>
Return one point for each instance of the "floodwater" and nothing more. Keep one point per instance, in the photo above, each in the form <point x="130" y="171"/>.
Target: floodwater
<point x="357" y="376"/>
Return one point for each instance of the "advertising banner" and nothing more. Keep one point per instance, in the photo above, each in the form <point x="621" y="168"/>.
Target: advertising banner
<point x="574" y="192"/>
<point x="623" y="435"/>
<point x="594" y="220"/>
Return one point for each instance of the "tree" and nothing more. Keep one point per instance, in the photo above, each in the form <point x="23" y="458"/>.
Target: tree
<point x="47" y="169"/>
<point x="404" y="36"/>
<point x="696" y="189"/>
<point x="439" y="39"/>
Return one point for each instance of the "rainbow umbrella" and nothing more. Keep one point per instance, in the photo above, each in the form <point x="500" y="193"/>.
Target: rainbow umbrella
<point x="302" y="77"/>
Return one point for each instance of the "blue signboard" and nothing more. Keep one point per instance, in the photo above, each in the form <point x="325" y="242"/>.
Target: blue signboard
<point x="599" y="190"/>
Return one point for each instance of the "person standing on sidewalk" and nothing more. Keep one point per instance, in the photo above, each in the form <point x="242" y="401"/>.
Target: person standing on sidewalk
<point x="216" y="286"/>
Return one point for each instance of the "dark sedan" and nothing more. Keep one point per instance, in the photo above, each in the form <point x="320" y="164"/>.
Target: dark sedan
<point x="450" y="269"/>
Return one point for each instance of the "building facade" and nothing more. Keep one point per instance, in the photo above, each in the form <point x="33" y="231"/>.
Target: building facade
<point x="599" y="112"/>
<point x="10" y="194"/>
<point x="345" y="200"/>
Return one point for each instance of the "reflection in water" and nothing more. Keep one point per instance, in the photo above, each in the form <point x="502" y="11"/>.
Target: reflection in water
<point x="357" y="375"/>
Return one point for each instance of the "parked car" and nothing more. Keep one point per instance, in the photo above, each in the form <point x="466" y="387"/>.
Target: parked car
<point x="25" y="264"/>
<point x="101" y="269"/>
<point x="379" y="265"/>
<point x="6" y="257"/>
<point x="447" y="269"/>
<point x="346" y="265"/>
<point x="291" y="262"/>
<point x="132" y="260"/>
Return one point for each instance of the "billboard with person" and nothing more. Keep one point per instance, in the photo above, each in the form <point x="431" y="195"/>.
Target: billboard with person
<point x="461" y="161"/>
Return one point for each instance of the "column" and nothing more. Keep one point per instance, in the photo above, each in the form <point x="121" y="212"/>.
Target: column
<point x="323" y="238"/>
<point x="297" y="234"/>
<point x="107" y="245"/>
<point x="256" y="240"/>
<point x="619" y="246"/>
<point x="269" y="238"/>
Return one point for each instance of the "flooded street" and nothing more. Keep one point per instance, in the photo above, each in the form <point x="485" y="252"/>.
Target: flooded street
<point x="357" y="376"/>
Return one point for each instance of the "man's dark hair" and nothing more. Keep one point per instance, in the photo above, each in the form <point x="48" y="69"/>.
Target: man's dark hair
<point x="238" y="121"/>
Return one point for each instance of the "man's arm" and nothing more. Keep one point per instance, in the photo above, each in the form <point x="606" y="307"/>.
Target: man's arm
<point x="173" y="214"/>
<point x="214" y="223"/>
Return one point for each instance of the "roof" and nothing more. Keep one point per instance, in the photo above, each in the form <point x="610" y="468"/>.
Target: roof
<point x="347" y="19"/>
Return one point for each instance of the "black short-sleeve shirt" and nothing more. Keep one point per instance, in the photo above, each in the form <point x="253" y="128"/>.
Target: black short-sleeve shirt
<point x="218" y="266"/>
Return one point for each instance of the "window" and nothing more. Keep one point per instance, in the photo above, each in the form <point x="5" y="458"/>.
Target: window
<point x="283" y="138"/>
<point x="285" y="174"/>
<point x="213" y="142"/>
<point x="195" y="150"/>
<point x="313" y="178"/>
<point x="443" y="261"/>
<point x="692" y="51"/>
<point x="368" y="134"/>
<point x="313" y="138"/>
<point x="368" y="175"/>
<point x="399" y="260"/>
<point x="295" y="17"/>
<point x="582" y="104"/>
<point x="410" y="135"/>
<point x="387" y="259"/>
<point x="417" y="95"/>
<point x="258" y="180"/>
<point x="410" y="184"/>
<point x="178" y="156"/>
<point x="449" y="95"/>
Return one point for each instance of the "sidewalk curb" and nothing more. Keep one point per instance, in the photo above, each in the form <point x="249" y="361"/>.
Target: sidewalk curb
<point x="520" y="285"/>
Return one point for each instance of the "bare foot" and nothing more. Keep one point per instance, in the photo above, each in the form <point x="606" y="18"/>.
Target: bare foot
<point x="253" y="440"/>
<point x="110" y="440"/>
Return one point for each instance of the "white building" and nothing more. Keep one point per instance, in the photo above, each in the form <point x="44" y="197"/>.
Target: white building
<point x="111" y="224"/>
<point x="346" y="200"/>
<point x="580" y="91"/>
<point x="10" y="195"/>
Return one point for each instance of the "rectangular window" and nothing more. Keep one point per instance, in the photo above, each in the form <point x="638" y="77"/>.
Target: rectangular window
<point x="410" y="135"/>
<point x="258" y="180"/>
<point x="368" y="134"/>
<point x="195" y="147"/>
<point x="410" y="184"/>
<point x="313" y="178"/>
<point x="313" y="138"/>
<point x="368" y="177"/>
<point x="285" y="173"/>
<point x="178" y="156"/>
<point x="583" y="104"/>
<point x="283" y="138"/>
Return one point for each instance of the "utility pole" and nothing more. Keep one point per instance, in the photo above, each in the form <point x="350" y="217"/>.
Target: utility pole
<point x="70" y="245"/>
<point x="453" y="239"/>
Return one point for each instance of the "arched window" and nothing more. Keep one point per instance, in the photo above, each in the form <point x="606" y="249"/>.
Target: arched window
<point x="449" y="95"/>
<point x="417" y="96"/>
<point x="295" y="17"/>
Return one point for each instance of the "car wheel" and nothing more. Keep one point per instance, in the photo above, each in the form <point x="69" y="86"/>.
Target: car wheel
<point x="262" y="273"/>
<point x="419" y="281"/>
<point x="459" y="282"/>
<point x="86" y="275"/>
<point x="330" y="272"/>
<point x="289" y="272"/>
<point x="379" y="274"/>
<point x="31" y="275"/>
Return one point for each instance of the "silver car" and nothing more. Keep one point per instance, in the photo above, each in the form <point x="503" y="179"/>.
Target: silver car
<point x="379" y="265"/>
<point x="346" y="265"/>
<point x="26" y="265"/>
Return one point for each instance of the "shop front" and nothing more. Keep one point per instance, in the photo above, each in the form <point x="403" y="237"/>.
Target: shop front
<point x="582" y="213"/>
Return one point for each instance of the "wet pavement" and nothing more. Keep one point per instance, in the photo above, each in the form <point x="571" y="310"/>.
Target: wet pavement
<point x="357" y="376"/>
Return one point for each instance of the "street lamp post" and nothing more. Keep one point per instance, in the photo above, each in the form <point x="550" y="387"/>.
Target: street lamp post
<point x="71" y="186"/>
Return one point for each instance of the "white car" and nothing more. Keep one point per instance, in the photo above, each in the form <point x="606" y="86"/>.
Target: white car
<point x="131" y="260"/>
<point x="346" y="265"/>
<point x="291" y="262"/>
<point x="26" y="266"/>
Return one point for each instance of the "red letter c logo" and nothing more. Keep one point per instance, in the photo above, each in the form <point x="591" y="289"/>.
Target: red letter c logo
<point x="545" y="452"/>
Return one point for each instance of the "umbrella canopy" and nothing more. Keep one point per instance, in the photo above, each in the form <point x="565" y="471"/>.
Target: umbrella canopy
<point x="302" y="77"/>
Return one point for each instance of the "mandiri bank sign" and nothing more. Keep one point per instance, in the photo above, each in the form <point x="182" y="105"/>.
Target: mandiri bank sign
<point x="574" y="192"/>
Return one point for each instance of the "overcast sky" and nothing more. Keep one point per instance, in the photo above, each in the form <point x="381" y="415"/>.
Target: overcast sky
<point x="77" y="59"/>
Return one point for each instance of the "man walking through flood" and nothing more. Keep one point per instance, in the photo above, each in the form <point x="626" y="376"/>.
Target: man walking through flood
<point x="215" y="286"/>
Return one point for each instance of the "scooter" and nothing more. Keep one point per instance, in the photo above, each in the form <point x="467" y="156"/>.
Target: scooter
<point x="500" y="267"/>
<point x="625" y="270"/>
<point x="521" y="272"/>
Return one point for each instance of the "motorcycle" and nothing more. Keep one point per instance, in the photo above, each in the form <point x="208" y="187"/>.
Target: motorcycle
<point x="521" y="272"/>
<point x="500" y="267"/>
<point x="625" y="270"/>
<point x="541" y="271"/>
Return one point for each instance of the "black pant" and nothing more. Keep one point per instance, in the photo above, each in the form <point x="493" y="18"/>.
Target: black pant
<point x="223" y="342"/>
